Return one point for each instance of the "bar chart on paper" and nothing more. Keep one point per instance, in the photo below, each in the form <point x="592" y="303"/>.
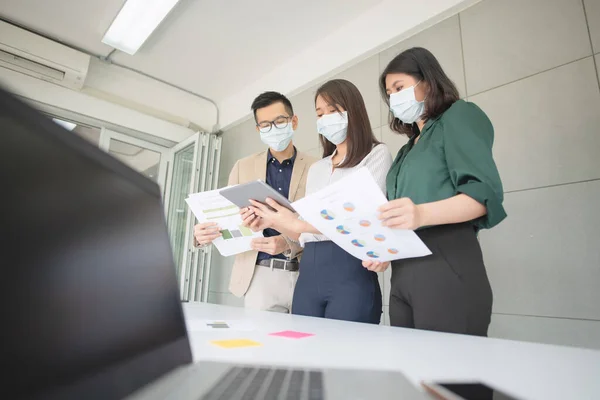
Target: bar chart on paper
<point x="212" y="207"/>
<point x="223" y="213"/>
<point x="242" y="231"/>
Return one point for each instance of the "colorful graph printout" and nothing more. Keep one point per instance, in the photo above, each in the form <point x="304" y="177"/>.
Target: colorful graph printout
<point x="210" y="206"/>
<point x="346" y="212"/>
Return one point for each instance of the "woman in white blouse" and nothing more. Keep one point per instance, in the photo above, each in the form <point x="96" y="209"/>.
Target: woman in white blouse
<point x="332" y="283"/>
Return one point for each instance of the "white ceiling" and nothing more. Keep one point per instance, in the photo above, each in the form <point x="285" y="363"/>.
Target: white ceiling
<point x="231" y="50"/>
<point x="212" y="47"/>
<point x="81" y="23"/>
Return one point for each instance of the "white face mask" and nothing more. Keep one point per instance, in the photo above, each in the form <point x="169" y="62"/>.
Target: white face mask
<point x="278" y="138"/>
<point x="334" y="127"/>
<point x="405" y="106"/>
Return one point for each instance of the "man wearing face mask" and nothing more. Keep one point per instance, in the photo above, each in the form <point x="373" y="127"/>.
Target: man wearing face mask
<point x="266" y="276"/>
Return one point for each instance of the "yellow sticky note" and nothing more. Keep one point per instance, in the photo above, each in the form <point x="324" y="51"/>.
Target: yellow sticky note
<point x="234" y="343"/>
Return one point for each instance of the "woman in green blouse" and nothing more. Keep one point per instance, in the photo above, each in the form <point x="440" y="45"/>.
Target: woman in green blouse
<point x="443" y="184"/>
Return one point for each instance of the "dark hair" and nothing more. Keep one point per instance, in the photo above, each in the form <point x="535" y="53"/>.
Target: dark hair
<point x="267" y="98"/>
<point x="360" y="135"/>
<point x="421" y="65"/>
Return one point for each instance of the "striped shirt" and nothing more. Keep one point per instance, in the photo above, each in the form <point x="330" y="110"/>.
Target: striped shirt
<point x="322" y="174"/>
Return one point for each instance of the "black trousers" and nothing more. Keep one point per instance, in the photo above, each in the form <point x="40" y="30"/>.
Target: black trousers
<point x="333" y="284"/>
<point x="448" y="291"/>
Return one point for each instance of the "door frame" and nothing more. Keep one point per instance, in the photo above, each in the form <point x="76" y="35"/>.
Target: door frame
<point x="187" y="273"/>
<point x="210" y="182"/>
<point x="194" y="278"/>
<point x="171" y="158"/>
<point x="106" y="135"/>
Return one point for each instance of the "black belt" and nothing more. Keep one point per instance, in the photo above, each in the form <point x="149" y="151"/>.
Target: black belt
<point x="276" y="263"/>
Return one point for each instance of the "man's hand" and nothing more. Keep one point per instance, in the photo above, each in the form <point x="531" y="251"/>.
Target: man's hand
<point x="206" y="232"/>
<point x="273" y="245"/>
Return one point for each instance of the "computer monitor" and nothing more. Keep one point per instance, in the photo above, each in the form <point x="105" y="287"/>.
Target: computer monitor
<point x="88" y="295"/>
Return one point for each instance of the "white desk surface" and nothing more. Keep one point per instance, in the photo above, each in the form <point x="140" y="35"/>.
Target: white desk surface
<point x="526" y="370"/>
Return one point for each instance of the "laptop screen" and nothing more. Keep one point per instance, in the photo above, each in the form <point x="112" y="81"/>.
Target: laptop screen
<point x="88" y="294"/>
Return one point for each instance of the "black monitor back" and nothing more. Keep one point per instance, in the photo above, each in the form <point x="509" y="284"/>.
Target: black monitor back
<point x="88" y="295"/>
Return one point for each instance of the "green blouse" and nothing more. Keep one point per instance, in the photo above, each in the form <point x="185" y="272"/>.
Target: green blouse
<point x="453" y="155"/>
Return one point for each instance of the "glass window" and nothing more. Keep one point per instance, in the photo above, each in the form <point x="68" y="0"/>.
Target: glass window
<point x="183" y="167"/>
<point x="89" y="133"/>
<point x="143" y="160"/>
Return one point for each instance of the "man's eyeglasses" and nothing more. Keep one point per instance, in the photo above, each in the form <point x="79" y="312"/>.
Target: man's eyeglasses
<point x="280" y="122"/>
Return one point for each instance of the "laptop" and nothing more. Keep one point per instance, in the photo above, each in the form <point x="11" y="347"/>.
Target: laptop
<point x="88" y="295"/>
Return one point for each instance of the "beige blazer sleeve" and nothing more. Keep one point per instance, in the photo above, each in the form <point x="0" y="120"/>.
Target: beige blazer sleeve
<point x="234" y="175"/>
<point x="294" y="248"/>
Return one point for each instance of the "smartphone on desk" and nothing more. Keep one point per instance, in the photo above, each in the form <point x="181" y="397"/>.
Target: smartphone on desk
<point x="464" y="391"/>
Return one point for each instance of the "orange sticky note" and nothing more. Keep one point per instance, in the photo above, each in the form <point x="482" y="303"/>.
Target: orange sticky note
<point x="235" y="343"/>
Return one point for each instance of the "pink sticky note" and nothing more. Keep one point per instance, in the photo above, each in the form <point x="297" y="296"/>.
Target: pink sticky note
<point x="292" y="334"/>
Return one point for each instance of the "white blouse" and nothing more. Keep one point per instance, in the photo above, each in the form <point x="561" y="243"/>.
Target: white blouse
<point x="321" y="174"/>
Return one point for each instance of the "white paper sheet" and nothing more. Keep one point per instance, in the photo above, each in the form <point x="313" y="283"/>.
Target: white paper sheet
<point x="212" y="207"/>
<point x="346" y="212"/>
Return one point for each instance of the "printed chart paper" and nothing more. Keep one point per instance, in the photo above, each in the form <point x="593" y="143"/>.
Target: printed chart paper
<point x="346" y="212"/>
<point x="212" y="207"/>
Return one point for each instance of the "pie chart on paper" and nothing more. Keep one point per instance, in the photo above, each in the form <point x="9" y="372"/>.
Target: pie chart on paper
<point x="379" y="238"/>
<point x="343" y="230"/>
<point x="349" y="207"/>
<point x="328" y="215"/>
<point x="359" y="243"/>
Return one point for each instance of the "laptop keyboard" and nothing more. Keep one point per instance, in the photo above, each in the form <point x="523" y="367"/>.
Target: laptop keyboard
<point x="248" y="383"/>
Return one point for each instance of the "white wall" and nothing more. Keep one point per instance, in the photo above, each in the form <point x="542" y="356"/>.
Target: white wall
<point x="386" y="23"/>
<point x="530" y="66"/>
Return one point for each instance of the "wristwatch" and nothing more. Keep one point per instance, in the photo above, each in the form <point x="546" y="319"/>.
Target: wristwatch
<point x="289" y="253"/>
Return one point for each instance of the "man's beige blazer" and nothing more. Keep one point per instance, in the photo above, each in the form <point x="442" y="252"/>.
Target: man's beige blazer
<point x="250" y="169"/>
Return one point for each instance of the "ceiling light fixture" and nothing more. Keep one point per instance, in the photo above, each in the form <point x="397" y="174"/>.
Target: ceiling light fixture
<point x="135" y="23"/>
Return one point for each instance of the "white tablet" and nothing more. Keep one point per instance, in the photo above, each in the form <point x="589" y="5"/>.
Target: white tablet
<point x="241" y="195"/>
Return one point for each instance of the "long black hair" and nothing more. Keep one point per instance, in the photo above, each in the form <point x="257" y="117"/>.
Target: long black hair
<point x="420" y="64"/>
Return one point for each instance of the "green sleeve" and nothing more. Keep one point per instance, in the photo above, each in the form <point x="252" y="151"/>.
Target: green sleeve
<point x="468" y="139"/>
<point x="392" y="176"/>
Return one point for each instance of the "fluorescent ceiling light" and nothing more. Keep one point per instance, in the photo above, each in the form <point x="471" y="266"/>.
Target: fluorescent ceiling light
<point x="135" y="23"/>
<point x="65" y="124"/>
